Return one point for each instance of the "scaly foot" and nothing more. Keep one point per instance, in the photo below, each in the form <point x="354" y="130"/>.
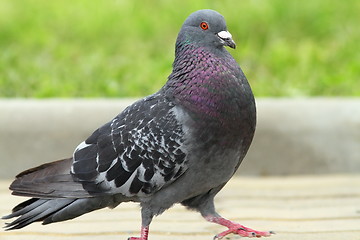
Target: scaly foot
<point x="236" y="228"/>
<point x="144" y="234"/>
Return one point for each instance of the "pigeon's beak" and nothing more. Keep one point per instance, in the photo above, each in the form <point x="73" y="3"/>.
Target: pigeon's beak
<point x="226" y="39"/>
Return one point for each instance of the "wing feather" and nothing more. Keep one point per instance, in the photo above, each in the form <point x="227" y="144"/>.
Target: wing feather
<point x="137" y="153"/>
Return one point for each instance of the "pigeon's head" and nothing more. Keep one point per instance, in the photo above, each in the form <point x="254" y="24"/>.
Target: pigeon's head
<point x="206" y="28"/>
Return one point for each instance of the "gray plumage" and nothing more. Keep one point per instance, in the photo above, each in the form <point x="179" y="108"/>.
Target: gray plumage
<point x="179" y="145"/>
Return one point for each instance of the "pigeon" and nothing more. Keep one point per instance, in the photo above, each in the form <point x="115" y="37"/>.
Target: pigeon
<point x="181" y="144"/>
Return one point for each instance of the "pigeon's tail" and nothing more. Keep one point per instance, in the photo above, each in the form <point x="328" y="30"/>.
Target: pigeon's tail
<point x="50" y="180"/>
<point x="52" y="210"/>
<point x="55" y="196"/>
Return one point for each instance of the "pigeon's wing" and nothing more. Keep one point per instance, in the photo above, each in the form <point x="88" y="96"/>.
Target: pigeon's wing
<point x="135" y="154"/>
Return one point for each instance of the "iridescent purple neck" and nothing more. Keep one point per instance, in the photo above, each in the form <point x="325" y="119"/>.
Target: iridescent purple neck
<point x="210" y="85"/>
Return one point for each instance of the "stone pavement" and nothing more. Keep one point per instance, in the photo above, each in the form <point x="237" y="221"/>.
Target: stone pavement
<point x="296" y="207"/>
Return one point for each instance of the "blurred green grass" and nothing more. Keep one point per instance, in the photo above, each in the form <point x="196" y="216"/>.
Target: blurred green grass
<point x="122" y="48"/>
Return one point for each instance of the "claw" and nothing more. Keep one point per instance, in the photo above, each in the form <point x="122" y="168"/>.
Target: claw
<point x="236" y="228"/>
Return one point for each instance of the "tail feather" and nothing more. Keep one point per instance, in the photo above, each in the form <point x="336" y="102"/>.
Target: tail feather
<point x="50" y="180"/>
<point x="24" y="208"/>
<point x="36" y="211"/>
<point x="53" y="210"/>
<point x="56" y="196"/>
<point x="23" y="205"/>
<point x="80" y="207"/>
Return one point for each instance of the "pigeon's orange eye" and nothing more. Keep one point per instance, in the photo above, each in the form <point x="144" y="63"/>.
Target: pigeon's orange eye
<point x="204" y="25"/>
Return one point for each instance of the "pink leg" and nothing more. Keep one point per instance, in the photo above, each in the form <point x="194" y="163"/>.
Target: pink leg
<point x="144" y="234"/>
<point x="235" y="228"/>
